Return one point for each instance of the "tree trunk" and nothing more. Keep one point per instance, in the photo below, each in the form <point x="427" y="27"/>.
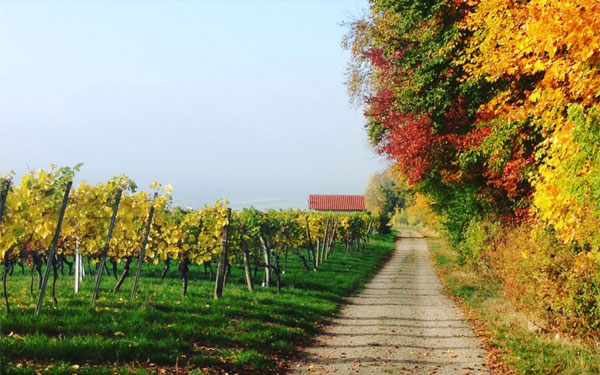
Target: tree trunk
<point x="69" y="264"/>
<point x="31" y="284"/>
<point x="60" y="264"/>
<point x="183" y="269"/>
<point x="223" y="260"/>
<point x="346" y="242"/>
<point x="166" y="269"/>
<point x="311" y="245"/>
<point x="332" y="239"/>
<point x="227" y="272"/>
<point x="62" y="260"/>
<point x="4" y="274"/>
<point x="256" y="268"/>
<point x="318" y="258"/>
<point x="54" y="263"/>
<point x="278" y="273"/>
<point x="123" y="275"/>
<point x="267" y="254"/>
<point x="321" y="252"/>
<point x="113" y="261"/>
<point x="209" y="273"/>
<point x="247" y="266"/>
<point x="302" y="258"/>
<point x="38" y="269"/>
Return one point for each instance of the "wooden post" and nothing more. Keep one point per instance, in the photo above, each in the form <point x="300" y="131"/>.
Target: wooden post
<point x="53" y="247"/>
<point x="105" y="250"/>
<point x="325" y="241"/>
<point x="82" y="273"/>
<point x="222" y="259"/>
<point x="332" y="238"/>
<point x="142" y="253"/>
<point x="346" y="241"/>
<point x="310" y="244"/>
<point x="77" y="267"/>
<point x="318" y="257"/>
<point x="246" y="253"/>
<point x="278" y="273"/>
<point x="267" y="254"/>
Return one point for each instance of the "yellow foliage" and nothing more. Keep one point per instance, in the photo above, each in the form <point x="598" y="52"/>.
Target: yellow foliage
<point x="421" y="211"/>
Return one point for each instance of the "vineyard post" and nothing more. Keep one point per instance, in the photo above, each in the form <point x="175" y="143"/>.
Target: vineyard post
<point x="222" y="259"/>
<point x="82" y="272"/>
<point x="267" y="255"/>
<point x="346" y="241"/>
<point x="53" y="248"/>
<point x="325" y="238"/>
<point x="105" y="250"/>
<point x="142" y="253"/>
<point x="332" y="238"/>
<point x="318" y="257"/>
<point x="246" y="253"/>
<point x="310" y="244"/>
<point x="77" y="266"/>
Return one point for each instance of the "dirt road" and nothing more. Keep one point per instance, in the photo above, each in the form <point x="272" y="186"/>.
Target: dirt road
<point x="401" y="323"/>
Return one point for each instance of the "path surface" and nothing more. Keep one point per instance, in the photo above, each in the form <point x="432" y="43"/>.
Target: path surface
<point x="400" y="324"/>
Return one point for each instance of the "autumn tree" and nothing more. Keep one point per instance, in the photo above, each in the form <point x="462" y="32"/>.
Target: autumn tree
<point x="385" y="194"/>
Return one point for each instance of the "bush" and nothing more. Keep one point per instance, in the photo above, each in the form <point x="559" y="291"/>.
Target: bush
<point x="400" y="217"/>
<point x="560" y="284"/>
<point x="480" y="236"/>
<point x="384" y="223"/>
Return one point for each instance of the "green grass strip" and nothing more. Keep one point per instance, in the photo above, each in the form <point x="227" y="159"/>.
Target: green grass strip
<point x="243" y="332"/>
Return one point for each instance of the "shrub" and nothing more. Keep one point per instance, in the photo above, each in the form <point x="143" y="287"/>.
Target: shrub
<point x="558" y="283"/>
<point x="480" y="236"/>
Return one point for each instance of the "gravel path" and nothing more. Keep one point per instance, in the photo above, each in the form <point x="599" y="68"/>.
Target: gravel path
<point x="401" y="323"/>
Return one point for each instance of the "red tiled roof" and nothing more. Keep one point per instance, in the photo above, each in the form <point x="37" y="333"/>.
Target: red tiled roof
<point x="336" y="202"/>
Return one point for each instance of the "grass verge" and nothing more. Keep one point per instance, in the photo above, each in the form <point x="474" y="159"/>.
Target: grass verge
<point x="515" y="345"/>
<point x="163" y="332"/>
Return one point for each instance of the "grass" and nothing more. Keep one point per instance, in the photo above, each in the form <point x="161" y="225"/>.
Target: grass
<point x="162" y="331"/>
<point x="522" y="350"/>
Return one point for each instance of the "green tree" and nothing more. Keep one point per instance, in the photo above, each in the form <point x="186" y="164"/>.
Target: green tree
<point x="385" y="194"/>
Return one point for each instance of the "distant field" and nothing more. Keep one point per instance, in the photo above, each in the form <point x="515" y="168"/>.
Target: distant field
<point x="163" y="332"/>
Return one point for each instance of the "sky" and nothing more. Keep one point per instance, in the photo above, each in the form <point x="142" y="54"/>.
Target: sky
<point x="236" y="99"/>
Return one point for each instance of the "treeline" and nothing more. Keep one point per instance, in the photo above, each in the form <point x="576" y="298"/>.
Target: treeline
<point x="491" y="109"/>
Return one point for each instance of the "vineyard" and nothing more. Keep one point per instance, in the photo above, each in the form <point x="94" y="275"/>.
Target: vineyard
<point x="52" y="234"/>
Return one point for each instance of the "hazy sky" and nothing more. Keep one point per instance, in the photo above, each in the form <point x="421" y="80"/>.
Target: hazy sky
<point x="243" y="99"/>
